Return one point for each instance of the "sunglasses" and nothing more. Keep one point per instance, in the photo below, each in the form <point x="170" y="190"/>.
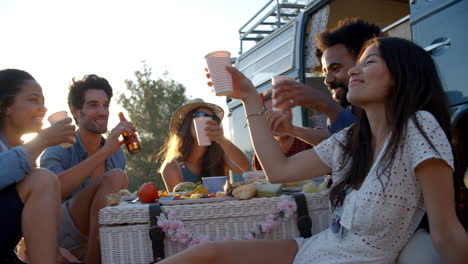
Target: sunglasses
<point x="202" y="114"/>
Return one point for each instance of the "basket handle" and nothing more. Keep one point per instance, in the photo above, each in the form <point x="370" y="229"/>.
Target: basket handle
<point x="304" y="222"/>
<point x="155" y="233"/>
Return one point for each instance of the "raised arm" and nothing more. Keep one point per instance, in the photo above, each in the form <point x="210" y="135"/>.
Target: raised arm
<point x="277" y="167"/>
<point x="447" y="233"/>
<point x="299" y="94"/>
<point x="60" y="132"/>
<point x="281" y="122"/>
<point x="235" y="159"/>
<point x="71" y="178"/>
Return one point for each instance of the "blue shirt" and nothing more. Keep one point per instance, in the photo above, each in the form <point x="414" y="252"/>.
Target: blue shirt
<point x="187" y="174"/>
<point x="58" y="159"/>
<point x="345" y="119"/>
<point x="14" y="163"/>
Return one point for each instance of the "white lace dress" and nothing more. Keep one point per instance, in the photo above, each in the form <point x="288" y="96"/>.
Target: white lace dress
<point x="377" y="224"/>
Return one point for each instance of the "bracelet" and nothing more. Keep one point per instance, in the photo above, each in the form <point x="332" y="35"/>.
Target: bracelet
<point x="257" y="114"/>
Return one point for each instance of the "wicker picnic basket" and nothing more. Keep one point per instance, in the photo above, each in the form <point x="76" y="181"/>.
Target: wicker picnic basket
<point x="124" y="234"/>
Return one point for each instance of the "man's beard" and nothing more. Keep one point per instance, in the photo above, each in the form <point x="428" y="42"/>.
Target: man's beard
<point x="92" y="128"/>
<point x="342" y="101"/>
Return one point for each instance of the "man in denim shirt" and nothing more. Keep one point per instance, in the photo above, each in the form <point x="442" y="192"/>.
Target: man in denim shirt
<point x="340" y="47"/>
<point x="90" y="169"/>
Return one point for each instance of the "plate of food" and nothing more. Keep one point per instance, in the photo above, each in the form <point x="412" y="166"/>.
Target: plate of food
<point x="193" y="199"/>
<point x="292" y="187"/>
<point x="128" y="197"/>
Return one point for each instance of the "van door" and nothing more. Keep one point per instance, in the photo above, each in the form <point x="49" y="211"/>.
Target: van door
<point x="440" y="27"/>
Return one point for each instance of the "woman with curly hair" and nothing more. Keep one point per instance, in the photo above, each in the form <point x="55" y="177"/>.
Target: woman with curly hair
<point x="29" y="196"/>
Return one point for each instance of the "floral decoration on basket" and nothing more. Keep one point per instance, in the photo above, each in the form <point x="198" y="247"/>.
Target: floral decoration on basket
<point x="176" y="231"/>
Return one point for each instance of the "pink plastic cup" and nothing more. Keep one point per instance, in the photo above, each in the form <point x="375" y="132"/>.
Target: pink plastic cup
<point x="54" y="118"/>
<point x="200" y="123"/>
<point x="220" y="77"/>
<point x="275" y="80"/>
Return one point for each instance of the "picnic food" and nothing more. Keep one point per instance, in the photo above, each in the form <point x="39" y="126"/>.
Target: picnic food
<point x="125" y="192"/>
<point x="113" y="199"/>
<point x="148" y="192"/>
<point x="292" y="184"/>
<point x="245" y="191"/>
<point x="220" y="194"/>
<point x="311" y="187"/>
<point x="185" y="187"/>
<point x="195" y="196"/>
<point x="265" y="189"/>
<point x="323" y="186"/>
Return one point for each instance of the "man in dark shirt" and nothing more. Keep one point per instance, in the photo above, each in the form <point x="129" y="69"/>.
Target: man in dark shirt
<point x="340" y="47"/>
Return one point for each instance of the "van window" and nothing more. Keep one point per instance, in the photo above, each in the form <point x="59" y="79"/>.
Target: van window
<point x="270" y="58"/>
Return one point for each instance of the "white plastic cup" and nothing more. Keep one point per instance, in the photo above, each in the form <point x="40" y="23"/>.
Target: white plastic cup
<point x="275" y="80"/>
<point x="215" y="184"/>
<point x="220" y="77"/>
<point x="54" y="118"/>
<point x="200" y="124"/>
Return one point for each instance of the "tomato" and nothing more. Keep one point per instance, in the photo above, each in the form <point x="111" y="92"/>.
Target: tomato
<point x="148" y="192"/>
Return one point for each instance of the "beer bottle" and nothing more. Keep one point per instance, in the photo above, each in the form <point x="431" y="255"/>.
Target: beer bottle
<point x="131" y="140"/>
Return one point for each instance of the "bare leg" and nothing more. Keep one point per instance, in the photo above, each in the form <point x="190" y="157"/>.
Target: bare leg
<point x="84" y="208"/>
<point x="40" y="194"/>
<point x="247" y="251"/>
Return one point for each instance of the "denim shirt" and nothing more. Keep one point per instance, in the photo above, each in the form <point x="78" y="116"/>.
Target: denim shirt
<point x="345" y="119"/>
<point x="58" y="159"/>
<point x="14" y="163"/>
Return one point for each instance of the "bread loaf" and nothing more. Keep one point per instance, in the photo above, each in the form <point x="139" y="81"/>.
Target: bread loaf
<point x="245" y="191"/>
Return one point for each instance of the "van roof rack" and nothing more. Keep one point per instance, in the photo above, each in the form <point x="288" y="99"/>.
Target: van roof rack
<point x="279" y="15"/>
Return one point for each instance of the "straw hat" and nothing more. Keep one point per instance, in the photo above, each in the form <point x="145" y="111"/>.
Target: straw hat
<point x="181" y="112"/>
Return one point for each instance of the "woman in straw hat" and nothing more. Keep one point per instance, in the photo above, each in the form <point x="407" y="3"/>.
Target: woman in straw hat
<point x="185" y="160"/>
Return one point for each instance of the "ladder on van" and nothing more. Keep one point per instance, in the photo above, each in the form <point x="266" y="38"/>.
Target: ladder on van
<point x="278" y="15"/>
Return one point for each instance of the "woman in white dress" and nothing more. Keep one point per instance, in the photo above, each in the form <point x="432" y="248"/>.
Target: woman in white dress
<point x="389" y="168"/>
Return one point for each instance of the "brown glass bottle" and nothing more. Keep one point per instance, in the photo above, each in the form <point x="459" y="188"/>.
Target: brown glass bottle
<point x="131" y="140"/>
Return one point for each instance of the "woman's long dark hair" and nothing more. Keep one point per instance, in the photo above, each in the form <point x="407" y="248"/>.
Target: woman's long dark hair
<point x="10" y="81"/>
<point x="180" y="145"/>
<point x="417" y="87"/>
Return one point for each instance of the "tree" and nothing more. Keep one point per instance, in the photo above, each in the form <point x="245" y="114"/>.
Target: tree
<point x="149" y="104"/>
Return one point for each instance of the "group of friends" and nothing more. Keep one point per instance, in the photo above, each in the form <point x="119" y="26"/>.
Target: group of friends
<point x="387" y="147"/>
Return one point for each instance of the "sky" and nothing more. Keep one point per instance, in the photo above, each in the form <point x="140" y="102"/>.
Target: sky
<point x="58" y="40"/>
